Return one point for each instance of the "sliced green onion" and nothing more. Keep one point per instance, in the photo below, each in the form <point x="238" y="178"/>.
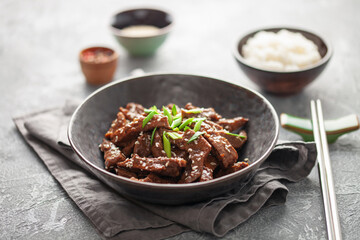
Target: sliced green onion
<point x="149" y="117"/>
<point x="176" y="122"/>
<point x="152" y="136"/>
<point x="178" y="115"/>
<point x="195" y="136"/>
<point x="167" y="146"/>
<point x="198" y="125"/>
<point x="176" y="129"/>
<point x="168" y="115"/>
<point x="236" y="135"/>
<point x="199" y="119"/>
<point x="174" y="110"/>
<point x="187" y="122"/>
<point x="186" y="128"/>
<point x="174" y="135"/>
<point x="195" y="110"/>
<point x="153" y="108"/>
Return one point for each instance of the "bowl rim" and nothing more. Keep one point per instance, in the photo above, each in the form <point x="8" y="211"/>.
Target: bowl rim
<point x="173" y="185"/>
<point x="322" y="61"/>
<point x="162" y="31"/>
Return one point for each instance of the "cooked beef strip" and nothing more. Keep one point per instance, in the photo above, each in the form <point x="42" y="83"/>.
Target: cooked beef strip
<point x="239" y="165"/>
<point x="232" y="124"/>
<point x="189" y="172"/>
<point x="206" y="175"/>
<point x="198" y="150"/>
<point x="157" y="148"/>
<point x="132" y="111"/>
<point x="155" y="179"/>
<point x="119" y="122"/>
<point x="211" y="162"/>
<point x="141" y="173"/>
<point x="214" y="125"/>
<point x="128" y="147"/>
<point x="133" y="128"/>
<point x="234" y="168"/>
<point x="112" y="154"/>
<point x="189" y="106"/>
<point x="209" y="113"/>
<point x="223" y="150"/>
<point x="209" y="166"/>
<point x="142" y="145"/>
<point x="162" y="165"/>
<point x="176" y="152"/>
<point x="236" y="142"/>
<point x="125" y="173"/>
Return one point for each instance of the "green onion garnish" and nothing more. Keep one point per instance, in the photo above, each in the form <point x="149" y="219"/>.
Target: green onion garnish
<point x="195" y="110"/>
<point x="236" y="135"/>
<point x="149" y="117"/>
<point x="152" y="136"/>
<point x="198" y="124"/>
<point x="167" y="146"/>
<point x="178" y="115"/>
<point x="176" y="129"/>
<point x="174" y="135"/>
<point x="186" y="128"/>
<point x="176" y="122"/>
<point x="195" y="136"/>
<point x="174" y="110"/>
<point x="167" y="114"/>
<point x="199" y="119"/>
<point x="187" y="122"/>
<point x="153" y="108"/>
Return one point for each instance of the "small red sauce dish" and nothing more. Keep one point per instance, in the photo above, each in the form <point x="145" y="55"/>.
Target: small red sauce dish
<point x="98" y="64"/>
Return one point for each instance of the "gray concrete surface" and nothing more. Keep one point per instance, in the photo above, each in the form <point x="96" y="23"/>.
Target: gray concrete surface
<point x="39" y="45"/>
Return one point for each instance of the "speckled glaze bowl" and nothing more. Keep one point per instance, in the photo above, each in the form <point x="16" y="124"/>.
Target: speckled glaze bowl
<point x="281" y="82"/>
<point x="93" y="117"/>
<point x="141" y="45"/>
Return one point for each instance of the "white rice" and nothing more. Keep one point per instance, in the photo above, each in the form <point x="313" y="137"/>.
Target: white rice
<point x="281" y="51"/>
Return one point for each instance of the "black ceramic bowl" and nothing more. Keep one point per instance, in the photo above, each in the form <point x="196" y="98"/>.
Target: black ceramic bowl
<point x="284" y="82"/>
<point x="93" y="117"/>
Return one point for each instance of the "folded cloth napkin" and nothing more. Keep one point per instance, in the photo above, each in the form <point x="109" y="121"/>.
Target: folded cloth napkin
<point x="117" y="217"/>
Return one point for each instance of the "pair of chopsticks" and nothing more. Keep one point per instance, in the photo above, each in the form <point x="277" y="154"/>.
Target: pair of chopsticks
<point x="325" y="172"/>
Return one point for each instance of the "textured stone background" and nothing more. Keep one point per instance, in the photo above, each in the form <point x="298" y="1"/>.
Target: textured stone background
<point x="39" y="45"/>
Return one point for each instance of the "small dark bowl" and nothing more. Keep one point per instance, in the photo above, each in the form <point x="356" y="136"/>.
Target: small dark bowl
<point x="93" y="117"/>
<point x="284" y="82"/>
<point x="144" y="45"/>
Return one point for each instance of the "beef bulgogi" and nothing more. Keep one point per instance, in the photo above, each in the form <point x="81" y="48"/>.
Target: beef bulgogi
<point x="173" y="144"/>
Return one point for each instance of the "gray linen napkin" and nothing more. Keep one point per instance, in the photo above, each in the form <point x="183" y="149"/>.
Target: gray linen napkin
<point x="116" y="217"/>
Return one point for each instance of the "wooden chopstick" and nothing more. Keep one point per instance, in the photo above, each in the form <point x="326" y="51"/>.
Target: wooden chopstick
<point x="325" y="172"/>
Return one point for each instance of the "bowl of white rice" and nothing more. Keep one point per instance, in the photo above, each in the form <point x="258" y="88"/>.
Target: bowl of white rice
<point x="282" y="60"/>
